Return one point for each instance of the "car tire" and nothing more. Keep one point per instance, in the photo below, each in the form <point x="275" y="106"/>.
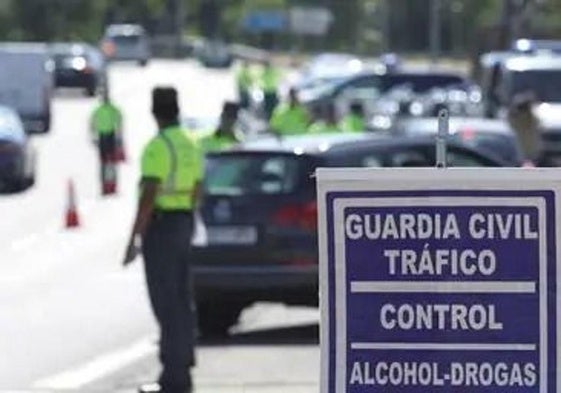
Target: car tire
<point x="215" y="318"/>
<point x="143" y="63"/>
<point x="90" y="91"/>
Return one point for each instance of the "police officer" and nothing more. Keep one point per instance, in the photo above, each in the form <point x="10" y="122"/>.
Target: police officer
<point x="354" y="120"/>
<point x="291" y="117"/>
<point x="244" y="81"/>
<point x="226" y="135"/>
<point x="269" y="84"/>
<point x="328" y="124"/>
<point x="106" y="123"/>
<point x="172" y="171"/>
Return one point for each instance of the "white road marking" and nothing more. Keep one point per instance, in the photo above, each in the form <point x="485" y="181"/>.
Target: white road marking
<point x="99" y="367"/>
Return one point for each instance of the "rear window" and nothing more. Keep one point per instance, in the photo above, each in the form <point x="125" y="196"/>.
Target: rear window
<point x="260" y="174"/>
<point x="126" y="40"/>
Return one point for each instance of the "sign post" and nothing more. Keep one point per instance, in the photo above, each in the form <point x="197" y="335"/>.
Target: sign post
<point x="439" y="281"/>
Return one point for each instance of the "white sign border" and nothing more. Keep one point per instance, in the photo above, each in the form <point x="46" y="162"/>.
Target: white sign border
<point x="340" y="204"/>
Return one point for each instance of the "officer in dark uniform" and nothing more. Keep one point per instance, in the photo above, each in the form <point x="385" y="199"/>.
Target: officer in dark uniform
<point x="172" y="171"/>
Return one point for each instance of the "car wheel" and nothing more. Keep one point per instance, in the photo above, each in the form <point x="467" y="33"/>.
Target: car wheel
<point x="90" y="91"/>
<point x="215" y="318"/>
<point x="143" y="63"/>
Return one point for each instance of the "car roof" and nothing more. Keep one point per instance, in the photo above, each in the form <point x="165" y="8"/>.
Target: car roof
<point x="124" y="29"/>
<point x="430" y="125"/>
<point x="299" y="144"/>
<point x="319" y="144"/>
<point x="533" y="62"/>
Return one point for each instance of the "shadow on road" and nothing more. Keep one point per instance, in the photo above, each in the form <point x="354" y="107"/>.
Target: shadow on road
<point x="293" y="335"/>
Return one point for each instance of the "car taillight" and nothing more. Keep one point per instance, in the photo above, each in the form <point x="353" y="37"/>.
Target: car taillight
<point x="108" y="48"/>
<point x="303" y="216"/>
<point x="467" y="134"/>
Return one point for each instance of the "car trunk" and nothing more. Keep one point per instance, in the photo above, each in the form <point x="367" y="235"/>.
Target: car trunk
<point x="259" y="208"/>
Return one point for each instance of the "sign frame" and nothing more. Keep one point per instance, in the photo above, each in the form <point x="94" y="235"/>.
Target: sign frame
<point x="340" y="188"/>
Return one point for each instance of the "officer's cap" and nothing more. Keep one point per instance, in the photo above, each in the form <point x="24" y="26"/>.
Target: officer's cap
<point x="164" y="102"/>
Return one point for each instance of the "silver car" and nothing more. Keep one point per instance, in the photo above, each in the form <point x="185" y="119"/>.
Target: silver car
<point x="126" y="42"/>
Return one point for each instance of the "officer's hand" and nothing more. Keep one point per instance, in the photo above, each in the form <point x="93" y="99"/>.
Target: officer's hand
<point x="130" y="254"/>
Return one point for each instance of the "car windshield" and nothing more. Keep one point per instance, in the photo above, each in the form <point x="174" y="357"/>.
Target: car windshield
<point x="126" y="40"/>
<point x="11" y="128"/>
<point x="244" y="174"/>
<point x="544" y="84"/>
<point x="420" y="83"/>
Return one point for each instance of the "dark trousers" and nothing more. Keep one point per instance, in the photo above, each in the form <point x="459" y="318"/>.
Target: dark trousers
<point x="243" y="95"/>
<point x="165" y="247"/>
<point x="107" y="145"/>
<point x="270" y="101"/>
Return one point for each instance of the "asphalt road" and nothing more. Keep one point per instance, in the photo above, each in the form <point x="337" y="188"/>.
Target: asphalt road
<point x="71" y="319"/>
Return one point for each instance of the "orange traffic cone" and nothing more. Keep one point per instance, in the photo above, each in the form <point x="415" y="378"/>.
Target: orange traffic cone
<point x="72" y="220"/>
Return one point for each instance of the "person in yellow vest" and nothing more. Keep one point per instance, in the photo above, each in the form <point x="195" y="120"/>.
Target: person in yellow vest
<point x="244" y="82"/>
<point x="290" y="118"/>
<point x="354" y="120"/>
<point x="269" y="82"/>
<point x="170" y="189"/>
<point x="328" y="124"/>
<point x="226" y="135"/>
<point x="106" y="123"/>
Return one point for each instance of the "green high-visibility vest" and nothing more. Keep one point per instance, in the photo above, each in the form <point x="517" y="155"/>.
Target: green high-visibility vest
<point x="269" y="80"/>
<point x="353" y="123"/>
<point x="106" y="119"/>
<point x="290" y="120"/>
<point x="175" y="159"/>
<point x="213" y="141"/>
<point x="321" y="127"/>
<point x="244" y="78"/>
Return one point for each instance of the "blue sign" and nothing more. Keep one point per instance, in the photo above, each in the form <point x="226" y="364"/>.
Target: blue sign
<point x="440" y="290"/>
<point x="265" y="21"/>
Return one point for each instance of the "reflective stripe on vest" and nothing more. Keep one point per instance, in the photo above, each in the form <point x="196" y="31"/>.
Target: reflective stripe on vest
<point x="168" y="187"/>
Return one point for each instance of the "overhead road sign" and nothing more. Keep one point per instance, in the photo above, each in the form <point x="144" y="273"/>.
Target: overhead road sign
<point x="439" y="280"/>
<point x="310" y="20"/>
<point x="265" y="21"/>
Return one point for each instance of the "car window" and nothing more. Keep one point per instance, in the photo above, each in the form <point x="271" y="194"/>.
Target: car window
<point x="412" y="157"/>
<point x="243" y="174"/>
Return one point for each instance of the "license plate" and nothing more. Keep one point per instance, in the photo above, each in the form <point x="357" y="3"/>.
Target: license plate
<point x="231" y="235"/>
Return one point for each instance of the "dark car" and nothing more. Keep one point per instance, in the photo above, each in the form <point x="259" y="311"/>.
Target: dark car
<point x="490" y="137"/>
<point x="260" y="215"/>
<point x="78" y="65"/>
<point x="17" y="157"/>
<point x="370" y="86"/>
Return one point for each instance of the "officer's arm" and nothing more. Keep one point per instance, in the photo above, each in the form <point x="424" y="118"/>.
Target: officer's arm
<point x="197" y="195"/>
<point x="149" y="191"/>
